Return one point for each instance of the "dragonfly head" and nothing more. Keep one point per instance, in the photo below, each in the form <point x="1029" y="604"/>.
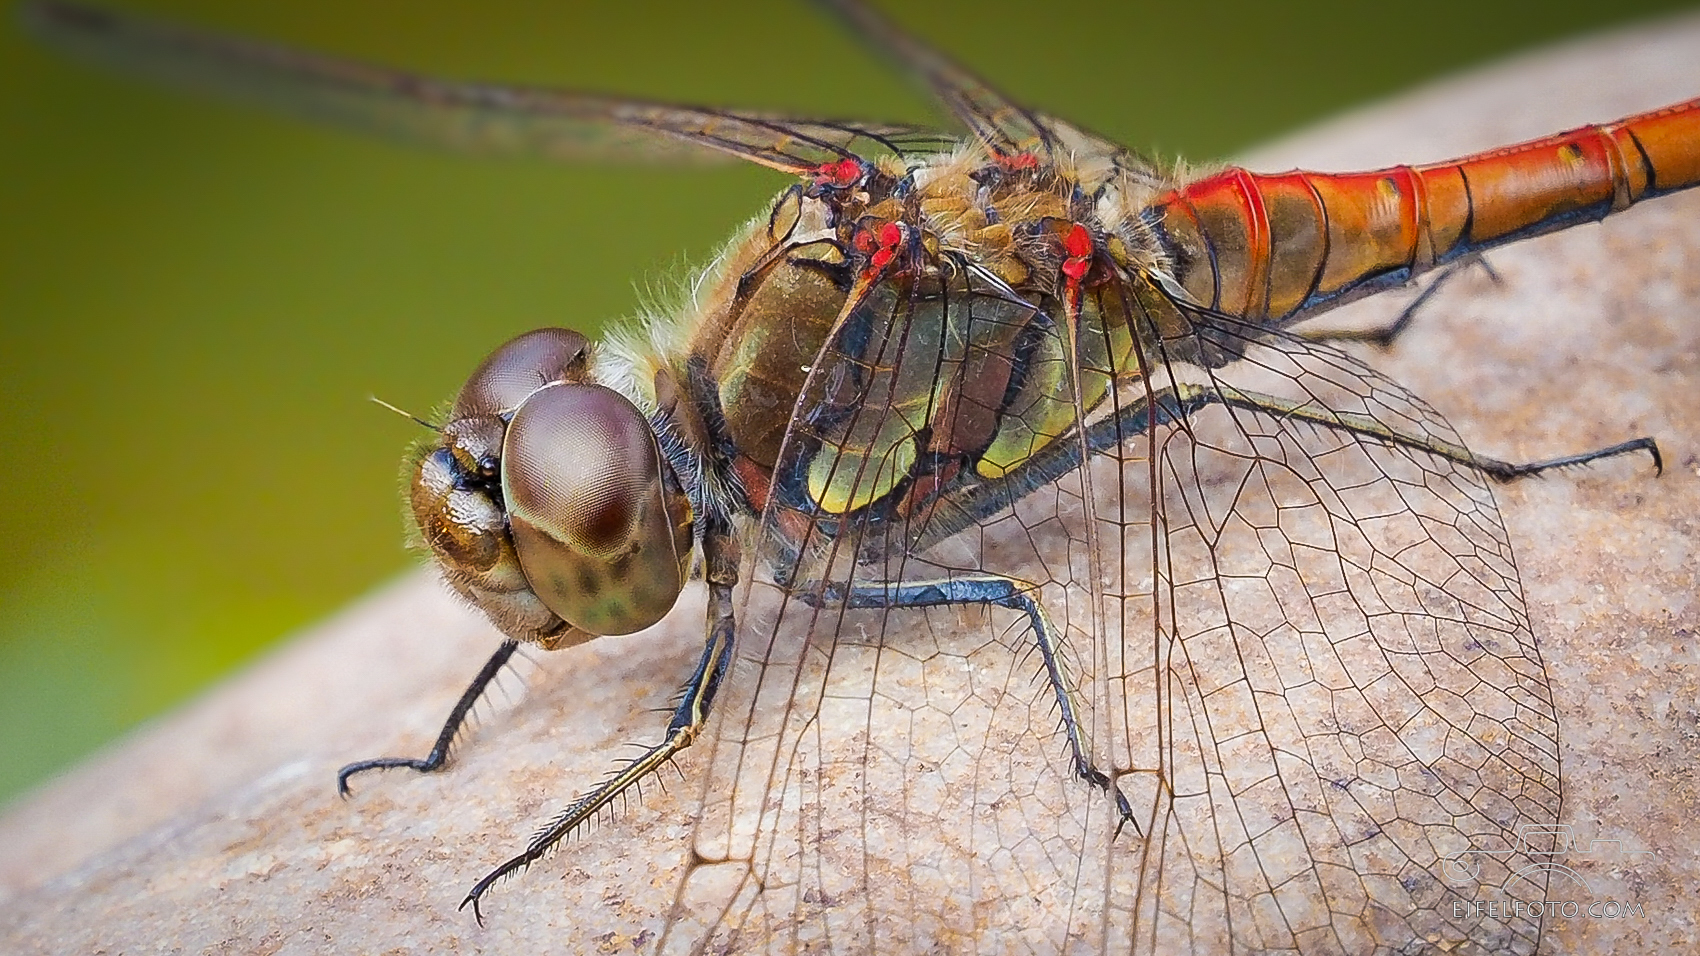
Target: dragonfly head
<point x="547" y="502"/>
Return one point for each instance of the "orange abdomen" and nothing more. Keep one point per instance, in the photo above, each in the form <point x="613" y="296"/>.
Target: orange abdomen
<point x="1289" y="245"/>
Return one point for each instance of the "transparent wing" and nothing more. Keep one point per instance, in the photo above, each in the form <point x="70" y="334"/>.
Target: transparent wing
<point x="1353" y="732"/>
<point x="1003" y="126"/>
<point x="461" y="116"/>
<point x="1300" y="651"/>
<point x="870" y="764"/>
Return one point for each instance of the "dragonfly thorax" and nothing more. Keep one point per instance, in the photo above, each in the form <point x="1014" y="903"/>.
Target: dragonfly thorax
<point x="867" y="351"/>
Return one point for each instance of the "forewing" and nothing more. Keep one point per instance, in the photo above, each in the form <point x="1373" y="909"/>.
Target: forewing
<point x="886" y="780"/>
<point x="461" y="116"/>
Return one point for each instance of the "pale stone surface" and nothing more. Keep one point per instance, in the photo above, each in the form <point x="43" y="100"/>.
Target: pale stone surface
<point x="217" y="829"/>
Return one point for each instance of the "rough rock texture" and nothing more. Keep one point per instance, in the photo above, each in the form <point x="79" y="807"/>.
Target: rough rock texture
<point x="217" y="829"/>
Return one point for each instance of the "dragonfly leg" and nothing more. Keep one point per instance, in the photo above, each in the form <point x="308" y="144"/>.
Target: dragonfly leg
<point x="974" y="503"/>
<point x="1368" y="426"/>
<point x="689" y="719"/>
<point x="1384" y="336"/>
<point x="439" y="755"/>
<point x="996" y="590"/>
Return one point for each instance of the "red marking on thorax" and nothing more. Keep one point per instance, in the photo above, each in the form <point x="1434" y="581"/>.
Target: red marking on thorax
<point x="1018" y="161"/>
<point x="1078" y="245"/>
<point x="880" y="245"/>
<point x="845" y="172"/>
<point x="1078" y="242"/>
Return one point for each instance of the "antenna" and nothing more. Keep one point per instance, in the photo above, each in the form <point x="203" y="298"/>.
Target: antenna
<point x="405" y="414"/>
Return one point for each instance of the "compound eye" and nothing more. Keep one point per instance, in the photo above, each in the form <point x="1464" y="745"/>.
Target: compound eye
<point x="521" y="366"/>
<point x="600" y="535"/>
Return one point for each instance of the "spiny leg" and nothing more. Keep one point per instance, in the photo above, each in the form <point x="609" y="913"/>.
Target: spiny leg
<point x="1368" y="426"/>
<point x="689" y="719"/>
<point x="439" y="755"/>
<point x="1384" y="336"/>
<point x="973" y="503"/>
<point x="984" y="588"/>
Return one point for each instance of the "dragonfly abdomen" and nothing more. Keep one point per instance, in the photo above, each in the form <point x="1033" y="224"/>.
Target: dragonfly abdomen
<point x="1289" y="245"/>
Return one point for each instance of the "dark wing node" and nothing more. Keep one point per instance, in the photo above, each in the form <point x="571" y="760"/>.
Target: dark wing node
<point x="460" y="116"/>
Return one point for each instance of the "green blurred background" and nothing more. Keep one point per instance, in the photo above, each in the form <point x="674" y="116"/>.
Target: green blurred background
<point x="195" y="300"/>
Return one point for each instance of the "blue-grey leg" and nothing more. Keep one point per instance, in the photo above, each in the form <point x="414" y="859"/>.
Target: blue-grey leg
<point x="689" y="719"/>
<point x="995" y="590"/>
<point x="974" y="502"/>
<point x="1384" y="336"/>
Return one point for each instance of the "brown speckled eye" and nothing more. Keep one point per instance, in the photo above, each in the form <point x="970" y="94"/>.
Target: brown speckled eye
<point x="520" y="367"/>
<point x="600" y="538"/>
<point x="454" y="483"/>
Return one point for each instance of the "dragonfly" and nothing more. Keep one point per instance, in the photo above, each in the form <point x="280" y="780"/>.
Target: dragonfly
<point x="1025" y="516"/>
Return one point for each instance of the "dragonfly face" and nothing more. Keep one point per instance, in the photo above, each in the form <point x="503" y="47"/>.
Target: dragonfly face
<point x="1267" y="592"/>
<point x="546" y="501"/>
